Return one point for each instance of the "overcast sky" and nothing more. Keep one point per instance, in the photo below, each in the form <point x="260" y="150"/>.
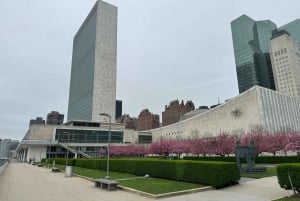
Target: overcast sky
<point x="167" y="50"/>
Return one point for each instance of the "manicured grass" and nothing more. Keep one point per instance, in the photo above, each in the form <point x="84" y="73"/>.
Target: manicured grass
<point x="148" y="185"/>
<point x="100" y="174"/>
<point x="157" y="186"/>
<point x="289" y="199"/>
<point x="271" y="171"/>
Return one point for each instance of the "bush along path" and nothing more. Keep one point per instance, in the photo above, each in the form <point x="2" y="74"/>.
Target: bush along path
<point x="215" y="174"/>
<point x="148" y="185"/>
<point x="289" y="177"/>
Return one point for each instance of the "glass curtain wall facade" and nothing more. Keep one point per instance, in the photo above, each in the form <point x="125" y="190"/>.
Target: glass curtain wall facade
<point x="87" y="136"/>
<point x="292" y="28"/>
<point x="251" y="42"/>
<point x="241" y="35"/>
<point x="82" y="71"/>
<point x="262" y="33"/>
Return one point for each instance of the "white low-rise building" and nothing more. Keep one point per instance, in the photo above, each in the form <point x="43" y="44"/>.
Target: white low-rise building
<point x="256" y="107"/>
<point x="74" y="138"/>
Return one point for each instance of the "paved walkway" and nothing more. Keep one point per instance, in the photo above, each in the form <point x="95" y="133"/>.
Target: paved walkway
<point x="256" y="190"/>
<point x="24" y="182"/>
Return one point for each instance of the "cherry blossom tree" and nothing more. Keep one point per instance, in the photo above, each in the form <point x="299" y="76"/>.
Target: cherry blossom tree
<point x="199" y="146"/>
<point x="102" y="152"/>
<point x="293" y="143"/>
<point x="179" y="147"/>
<point x="276" y="142"/>
<point x="162" y="147"/>
<point x="259" y="139"/>
<point x="225" y="144"/>
<point x="130" y="150"/>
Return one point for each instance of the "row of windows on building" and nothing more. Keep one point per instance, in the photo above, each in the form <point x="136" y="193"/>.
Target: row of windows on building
<point x="282" y="72"/>
<point x="289" y="91"/>
<point x="283" y="64"/>
<point x="282" y="57"/>
<point x="286" y="85"/>
<point x="283" y="75"/>
<point x="280" y="52"/>
<point x="283" y="81"/>
<point x="173" y="133"/>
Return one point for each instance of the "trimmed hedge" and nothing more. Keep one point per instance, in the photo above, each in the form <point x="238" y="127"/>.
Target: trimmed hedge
<point x="216" y="174"/>
<point x="211" y="158"/>
<point x="292" y="169"/>
<point x="258" y="160"/>
<point x="61" y="161"/>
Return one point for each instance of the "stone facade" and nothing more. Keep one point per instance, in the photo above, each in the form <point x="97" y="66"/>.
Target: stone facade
<point x="173" y="111"/>
<point x="146" y="121"/>
<point x="285" y="58"/>
<point x="105" y="74"/>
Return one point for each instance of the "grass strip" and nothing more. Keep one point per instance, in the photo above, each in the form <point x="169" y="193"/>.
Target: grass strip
<point x="289" y="199"/>
<point x="271" y="171"/>
<point x="157" y="186"/>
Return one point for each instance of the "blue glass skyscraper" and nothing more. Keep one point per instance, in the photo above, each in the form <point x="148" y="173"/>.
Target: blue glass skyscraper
<point x="251" y="43"/>
<point x="251" y="40"/>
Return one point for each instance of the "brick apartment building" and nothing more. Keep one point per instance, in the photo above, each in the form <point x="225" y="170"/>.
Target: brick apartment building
<point x="38" y="120"/>
<point x="173" y="111"/>
<point x="55" y="118"/>
<point x="146" y="121"/>
<point x="127" y="120"/>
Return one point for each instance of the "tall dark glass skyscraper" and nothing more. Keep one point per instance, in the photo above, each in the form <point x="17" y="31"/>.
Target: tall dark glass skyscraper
<point x="251" y="41"/>
<point x="293" y="28"/>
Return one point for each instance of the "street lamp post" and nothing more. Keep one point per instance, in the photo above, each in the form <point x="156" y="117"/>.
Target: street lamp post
<point x="108" y="143"/>
<point x="67" y="143"/>
<point x="68" y="150"/>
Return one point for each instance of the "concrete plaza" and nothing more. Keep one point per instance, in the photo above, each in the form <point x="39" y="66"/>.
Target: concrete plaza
<point x="24" y="182"/>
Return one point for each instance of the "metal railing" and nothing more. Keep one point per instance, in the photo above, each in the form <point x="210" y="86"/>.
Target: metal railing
<point x="73" y="150"/>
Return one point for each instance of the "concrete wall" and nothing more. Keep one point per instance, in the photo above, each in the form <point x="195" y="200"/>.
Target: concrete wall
<point x="2" y="168"/>
<point x="36" y="153"/>
<point x="40" y="132"/>
<point x="130" y="136"/>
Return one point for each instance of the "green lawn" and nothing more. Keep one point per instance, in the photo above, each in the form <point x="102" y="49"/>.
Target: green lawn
<point x="100" y="174"/>
<point x="148" y="185"/>
<point x="271" y="171"/>
<point x="289" y="199"/>
<point x="157" y="186"/>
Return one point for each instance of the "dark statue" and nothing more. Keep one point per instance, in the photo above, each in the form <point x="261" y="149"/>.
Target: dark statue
<point x="249" y="153"/>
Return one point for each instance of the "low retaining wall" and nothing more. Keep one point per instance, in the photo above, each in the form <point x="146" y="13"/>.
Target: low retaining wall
<point x="3" y="166"/>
